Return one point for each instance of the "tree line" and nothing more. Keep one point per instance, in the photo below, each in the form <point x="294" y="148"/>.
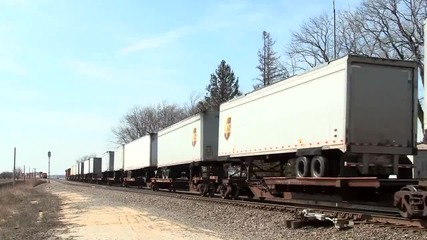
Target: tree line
<point x="9" y="175"/>
<point x="375" y="28"/>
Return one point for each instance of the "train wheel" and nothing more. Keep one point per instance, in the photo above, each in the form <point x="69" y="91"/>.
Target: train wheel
<point x="227" y="192"/>
<point x="250" y="195"/>
<point x="212" y="191"/>
<point x="222" y="190"/>
<point x="403" y="204"/>
<point x="404" y="212"/>
<point x="319" y="166"/>
<point x="302" y="167"/>
<point x="235" y="193"/>
<point x="200" y="189"/>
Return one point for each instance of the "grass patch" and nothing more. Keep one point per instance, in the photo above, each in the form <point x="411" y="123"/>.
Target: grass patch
<point x="27" y="211"/>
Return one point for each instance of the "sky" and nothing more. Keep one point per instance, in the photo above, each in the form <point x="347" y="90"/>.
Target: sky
<point x="70" y="70"/>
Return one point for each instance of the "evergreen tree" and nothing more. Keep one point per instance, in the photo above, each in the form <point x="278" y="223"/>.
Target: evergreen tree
<point x="223" y="87"/>
<point x="269" y="64"/>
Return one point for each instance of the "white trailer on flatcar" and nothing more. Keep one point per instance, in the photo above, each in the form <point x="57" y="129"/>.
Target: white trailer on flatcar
<point x="108" y="161"/>
<point x="190" y="140"/>
<point x="119" y="158"/>
<point x="86" y="167"/>
<point x="364" y="109"/>
<point x="141" y="153"/>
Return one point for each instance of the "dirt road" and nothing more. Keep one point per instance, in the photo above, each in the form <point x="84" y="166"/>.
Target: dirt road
<point x="88" y="218"/>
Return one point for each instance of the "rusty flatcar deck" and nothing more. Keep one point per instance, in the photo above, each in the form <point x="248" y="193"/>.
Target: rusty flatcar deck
<point x="369" y="182"/>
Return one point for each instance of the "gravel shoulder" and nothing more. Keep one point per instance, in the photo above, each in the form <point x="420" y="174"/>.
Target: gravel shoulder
<point x="98" y="212"/>
<point x="89" y="213"/>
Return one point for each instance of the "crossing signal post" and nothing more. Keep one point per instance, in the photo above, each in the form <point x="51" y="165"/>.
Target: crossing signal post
<point x="48" y="155"/>
<point x="14" y="163"/>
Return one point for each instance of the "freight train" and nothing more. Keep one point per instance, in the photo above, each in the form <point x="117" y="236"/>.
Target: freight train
<point x="340" y="132"/>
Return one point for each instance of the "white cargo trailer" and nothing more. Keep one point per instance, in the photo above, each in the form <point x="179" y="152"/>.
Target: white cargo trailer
<point x="90" y="165"/>
<point x="364" y="107"/>
<point x="192" y="139"/>
<point x="108" y="161"/>
<point x="86" y="167"/>
<point x="95" y="165"/>
<point x="82" y="168"/>
<point x="141" y="153"/>
<point x="76" y="169"/>
<point x="119" y="158"/>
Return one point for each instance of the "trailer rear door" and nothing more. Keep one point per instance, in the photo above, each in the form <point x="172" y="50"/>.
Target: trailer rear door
<point x="381" y="108"/>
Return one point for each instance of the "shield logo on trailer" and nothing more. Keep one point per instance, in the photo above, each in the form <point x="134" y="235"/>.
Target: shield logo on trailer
<point x="194" y="137"/>
<point x="227" y="128"/>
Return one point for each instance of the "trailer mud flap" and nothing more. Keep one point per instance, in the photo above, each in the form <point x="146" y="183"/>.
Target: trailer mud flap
<point x="309" y="151"/>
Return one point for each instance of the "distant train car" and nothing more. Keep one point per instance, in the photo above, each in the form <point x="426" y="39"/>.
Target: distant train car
<point x="95" y="169"/>
<point x="117" y="175"/>
<point x="107" y="165"/>
<point x="187" y="154"/>
<point x="68" y="173"/>
<point x="140" y="160"/>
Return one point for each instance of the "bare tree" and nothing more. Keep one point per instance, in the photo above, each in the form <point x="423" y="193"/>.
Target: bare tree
<point x="18" y="172"/>
<point x="395" y="26"/>
<point x="377" y="28"/>
<point x="193" y="106"/>
<point x="270" y="67"/>
<point x="351" y="38"/>
<point x="168" y="114"/>
<point x="140" y="121"/>
<point x="85" y="157"/>
<point x="312" y="44"/>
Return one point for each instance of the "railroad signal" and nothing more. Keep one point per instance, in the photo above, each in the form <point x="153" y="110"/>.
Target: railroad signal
<point x="48" y="155"/>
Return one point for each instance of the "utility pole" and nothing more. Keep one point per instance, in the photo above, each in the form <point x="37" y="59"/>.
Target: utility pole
<point x="14" y="164"/>
<point x="48" y="155"/>
<point x="335" y="35"/>
<point x="24" y="173"/>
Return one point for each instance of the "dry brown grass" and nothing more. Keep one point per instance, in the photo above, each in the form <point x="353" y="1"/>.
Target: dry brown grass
<point x="27" y="211"/>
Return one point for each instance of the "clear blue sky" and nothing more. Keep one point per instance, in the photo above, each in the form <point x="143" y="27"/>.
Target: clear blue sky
<point x="69" y="70"/>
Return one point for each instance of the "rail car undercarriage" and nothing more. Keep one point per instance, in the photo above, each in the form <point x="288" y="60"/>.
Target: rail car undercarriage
<point x="276" y="180"/>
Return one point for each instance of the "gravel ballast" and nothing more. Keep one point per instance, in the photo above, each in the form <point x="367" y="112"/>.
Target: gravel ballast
<point x="228" y="221"/>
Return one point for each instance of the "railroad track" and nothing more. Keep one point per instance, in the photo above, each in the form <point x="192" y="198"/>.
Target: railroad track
<point x="387" y="217"/>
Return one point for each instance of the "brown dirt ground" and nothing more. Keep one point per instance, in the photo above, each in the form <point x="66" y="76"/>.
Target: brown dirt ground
<point x="28" y="212"/>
